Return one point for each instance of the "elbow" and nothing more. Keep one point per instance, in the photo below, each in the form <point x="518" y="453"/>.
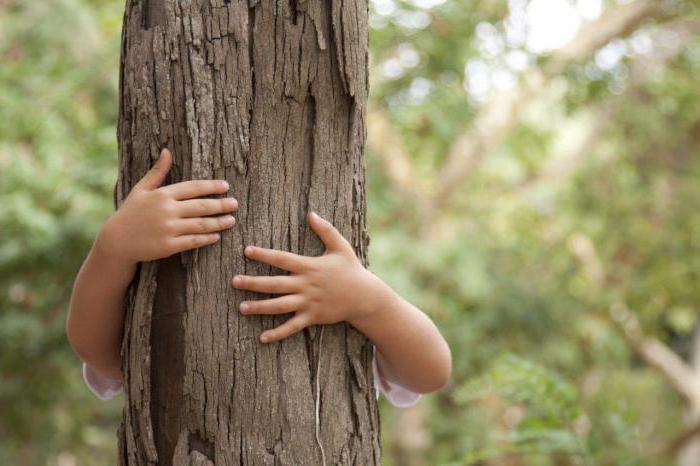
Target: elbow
<point x="442" y="375"/>
<point x="435" y="384"/>
<point x="73" y="335"/>
<point x="77" y="344"/>
<point x="108" y="364"/>
<point x="445" y="372"/>
<point x="73" y="342"/>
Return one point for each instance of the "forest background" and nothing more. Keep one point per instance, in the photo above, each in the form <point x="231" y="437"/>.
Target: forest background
<point x="534" y="185"/>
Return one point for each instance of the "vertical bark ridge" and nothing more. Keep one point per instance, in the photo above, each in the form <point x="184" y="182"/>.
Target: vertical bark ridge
<point x="270" y="96"/>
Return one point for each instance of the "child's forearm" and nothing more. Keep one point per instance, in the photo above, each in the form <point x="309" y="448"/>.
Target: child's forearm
<point x="153" y="222"/>
<point x="95" y="319"/>
<point x="410" y="349"/>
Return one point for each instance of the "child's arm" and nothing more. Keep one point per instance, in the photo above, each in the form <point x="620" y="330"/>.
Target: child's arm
<point x="154" y="222"/>
<point x="336" y="287"/>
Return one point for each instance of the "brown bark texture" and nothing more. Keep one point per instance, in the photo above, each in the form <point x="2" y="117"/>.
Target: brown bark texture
<point x="271" y="96"/>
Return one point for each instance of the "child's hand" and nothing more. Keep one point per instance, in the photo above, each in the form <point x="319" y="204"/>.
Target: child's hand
<point x="156" y="222"/>
<point x="325" y="289"/>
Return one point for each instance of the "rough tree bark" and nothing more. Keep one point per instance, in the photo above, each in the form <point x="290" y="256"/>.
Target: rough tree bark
<point x="271" y="96"/>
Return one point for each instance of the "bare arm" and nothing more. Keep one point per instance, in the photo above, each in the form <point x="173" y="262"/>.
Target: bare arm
<point x="336" y="287"/>
<point x="96" y="315"/>
<point x="154" y="222"/>
<point x="410" y="348"/>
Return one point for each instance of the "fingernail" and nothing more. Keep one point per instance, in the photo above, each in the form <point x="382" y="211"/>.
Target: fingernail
<point x="244" y="307"/>
<point x="224" y="184"/>
<point x="315" y="215"/>
<point x="248" y="249"/>
<point x="264" y="338"/>
<point x="236" y="280"/>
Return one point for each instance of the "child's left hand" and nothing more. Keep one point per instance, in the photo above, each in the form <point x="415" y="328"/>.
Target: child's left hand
<point x="324" y="289"/>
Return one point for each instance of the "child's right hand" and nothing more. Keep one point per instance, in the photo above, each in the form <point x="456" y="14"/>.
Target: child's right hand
<point x="156" y="222"/>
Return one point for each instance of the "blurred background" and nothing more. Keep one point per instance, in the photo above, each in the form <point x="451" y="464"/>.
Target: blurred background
<point x="534" y="186"/>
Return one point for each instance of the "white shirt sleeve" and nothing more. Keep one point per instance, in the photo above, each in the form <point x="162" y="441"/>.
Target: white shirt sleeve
<point x="106" y="388"/>
<point x="397" y="394"/>
<point x="103" y="387"/>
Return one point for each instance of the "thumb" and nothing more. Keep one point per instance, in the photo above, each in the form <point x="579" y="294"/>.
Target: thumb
<point x="156" y="175"/>
<point x="330" y="236"/>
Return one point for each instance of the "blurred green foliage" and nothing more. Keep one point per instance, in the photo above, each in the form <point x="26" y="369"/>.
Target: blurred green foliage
<point x="518" y="272"/>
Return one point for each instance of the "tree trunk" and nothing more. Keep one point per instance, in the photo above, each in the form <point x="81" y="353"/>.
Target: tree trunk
<point x="689" y="453"/>
<point x="270" y="96"/>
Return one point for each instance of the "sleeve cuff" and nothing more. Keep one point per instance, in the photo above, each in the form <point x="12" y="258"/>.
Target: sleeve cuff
<point x="103" y="387"/>
<point x="398" y="395"/>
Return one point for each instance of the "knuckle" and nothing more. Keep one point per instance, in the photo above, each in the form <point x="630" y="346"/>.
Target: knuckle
<point x="309" y="317"/>
<point x="170" y="208"/>
<point x="311" y="267"/>
<point x="202" y="225"/>
<point x="169" y="226"/>
<point x="276" y="286"/>
<point x="210" y="186"/>
<point x="161" y="195"/>
<point x="301" y="302"/>
<point x="314" y="301"/>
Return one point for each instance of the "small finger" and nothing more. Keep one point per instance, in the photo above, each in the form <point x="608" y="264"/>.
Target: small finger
<point x="280" y="259"/>
<point x="289" y="328"/>
<point x="329" y="234"/>
<point x="202" y="207"/>
<point x="267" y="284"/>
<point x="187" y="242"/>
<point x="279" y="305"/>
<point x="195" y="188"/>
<point x="157" y="174"/>
<point x="203" y="224"/>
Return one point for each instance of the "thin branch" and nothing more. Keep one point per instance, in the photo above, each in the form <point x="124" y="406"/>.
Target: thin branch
<point x="641" y="69"/>
<point x="656" y="354"/>
<point x="679" y="441"/>
<point x="497" y="119"/>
